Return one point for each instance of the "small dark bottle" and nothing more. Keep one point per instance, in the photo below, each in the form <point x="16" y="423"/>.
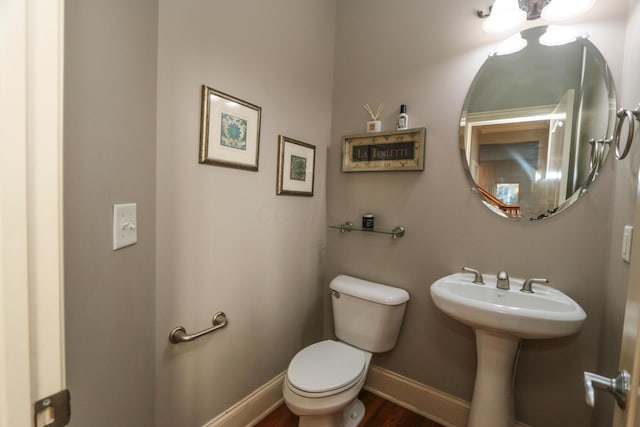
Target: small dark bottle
<point x="403" y="118"/>
<point x="367" y="222"/>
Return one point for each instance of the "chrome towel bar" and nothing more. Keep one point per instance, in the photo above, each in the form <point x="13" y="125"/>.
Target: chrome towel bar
<point x="598" y="145"/>
<point x="179" y="333"/>
<point x="630" y="116"/>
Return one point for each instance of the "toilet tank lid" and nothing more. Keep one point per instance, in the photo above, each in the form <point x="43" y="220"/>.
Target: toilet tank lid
<point x="376" y="292"/>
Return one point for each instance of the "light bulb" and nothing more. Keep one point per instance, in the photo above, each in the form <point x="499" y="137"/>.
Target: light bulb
<point x="505" y="15"/>
<point x="561" y="10"/>
<point x="513" y="44"/>
<point x="557" y="35"/>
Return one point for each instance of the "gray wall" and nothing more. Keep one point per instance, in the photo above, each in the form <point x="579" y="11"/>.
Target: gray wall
<point x="225" y="241"/>
<point x="109" y="157"/>
<point x="394" y="53"/>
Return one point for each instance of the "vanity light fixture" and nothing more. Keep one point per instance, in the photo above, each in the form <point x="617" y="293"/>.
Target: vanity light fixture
<point x="506" y="15"/>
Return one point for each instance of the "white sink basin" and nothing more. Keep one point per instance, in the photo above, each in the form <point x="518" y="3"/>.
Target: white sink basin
<point x="547" y="313"/>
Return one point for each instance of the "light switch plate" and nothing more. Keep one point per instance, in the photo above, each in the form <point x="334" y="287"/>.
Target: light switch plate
<point x="125" y="225"/>
<point x="627" y="236"/>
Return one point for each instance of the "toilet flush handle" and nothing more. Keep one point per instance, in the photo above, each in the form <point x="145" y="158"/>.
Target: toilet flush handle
<point x="334" y="293"/>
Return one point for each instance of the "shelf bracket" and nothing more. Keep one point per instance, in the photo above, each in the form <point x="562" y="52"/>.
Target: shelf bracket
<point x="346" y="227"/>
<point x="398" y="232"/>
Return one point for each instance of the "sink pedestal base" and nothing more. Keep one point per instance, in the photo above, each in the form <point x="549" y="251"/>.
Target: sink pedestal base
<point x="492" y="403"/>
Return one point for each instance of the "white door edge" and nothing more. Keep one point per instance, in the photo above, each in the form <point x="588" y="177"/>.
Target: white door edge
<point x="31" y="291"/>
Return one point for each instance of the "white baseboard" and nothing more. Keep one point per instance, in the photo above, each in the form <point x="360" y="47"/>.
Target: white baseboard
<point x="433" y="404"/>
<point x="252" y="408"/>
<point x="416" y="397"/>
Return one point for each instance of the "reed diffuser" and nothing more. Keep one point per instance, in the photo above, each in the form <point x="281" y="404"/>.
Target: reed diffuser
<point x="374" y="125"/>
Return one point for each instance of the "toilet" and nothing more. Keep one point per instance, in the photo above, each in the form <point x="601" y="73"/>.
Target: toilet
<point x="324" y="379"/>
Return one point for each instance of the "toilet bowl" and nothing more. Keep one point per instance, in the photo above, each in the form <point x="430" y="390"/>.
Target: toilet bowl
<point x="324" y="379"/>
<point x="323" y="382"/>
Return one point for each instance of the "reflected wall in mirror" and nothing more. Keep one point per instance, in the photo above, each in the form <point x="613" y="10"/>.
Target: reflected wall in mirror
<point x="535" y="126"/>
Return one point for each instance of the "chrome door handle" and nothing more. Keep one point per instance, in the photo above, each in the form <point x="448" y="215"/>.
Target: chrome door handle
<point x="618" y="386"/>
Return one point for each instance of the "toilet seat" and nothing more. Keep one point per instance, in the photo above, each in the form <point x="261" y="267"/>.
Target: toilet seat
<point x="326" y="368"/>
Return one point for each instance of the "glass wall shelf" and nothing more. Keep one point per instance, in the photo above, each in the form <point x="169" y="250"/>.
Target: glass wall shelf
<point x="348" y="227"/>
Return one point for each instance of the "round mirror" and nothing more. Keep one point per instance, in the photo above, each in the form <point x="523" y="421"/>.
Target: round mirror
<point x="536" y="124"/>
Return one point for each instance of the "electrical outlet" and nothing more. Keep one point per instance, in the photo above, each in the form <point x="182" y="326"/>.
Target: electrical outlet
<point x="125" y="225"/>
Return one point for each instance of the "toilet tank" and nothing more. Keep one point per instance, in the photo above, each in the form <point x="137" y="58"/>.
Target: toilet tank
<point x="366" y="314"/>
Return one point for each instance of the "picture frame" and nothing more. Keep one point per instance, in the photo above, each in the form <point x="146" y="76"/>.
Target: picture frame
<point x="229" y="131"/>
<point x="296" y="167"/>
<point x="401" y="150"/>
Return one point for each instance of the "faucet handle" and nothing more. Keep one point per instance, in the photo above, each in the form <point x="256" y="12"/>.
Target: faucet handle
<point x="526" y="286"/>
<point x="478" y="276"/>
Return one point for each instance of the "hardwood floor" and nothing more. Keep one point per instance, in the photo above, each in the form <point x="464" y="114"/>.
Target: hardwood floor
<point x="379" y="413"/>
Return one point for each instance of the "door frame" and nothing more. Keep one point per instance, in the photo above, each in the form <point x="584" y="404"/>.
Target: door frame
<point x="32" y="362"/>
<point x="630" y="345"/>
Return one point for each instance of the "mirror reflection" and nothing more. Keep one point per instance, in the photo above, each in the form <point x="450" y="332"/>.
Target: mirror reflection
<point x="535" y="124"/>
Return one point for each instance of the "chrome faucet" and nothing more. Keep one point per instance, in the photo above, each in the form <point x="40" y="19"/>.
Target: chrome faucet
<point x="503" y="280"/>
<point x="478" y="276"/>
<point x="526" y="286"/>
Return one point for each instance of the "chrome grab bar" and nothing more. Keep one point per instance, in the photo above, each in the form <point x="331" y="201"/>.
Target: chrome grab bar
<point x="179" y="333"/>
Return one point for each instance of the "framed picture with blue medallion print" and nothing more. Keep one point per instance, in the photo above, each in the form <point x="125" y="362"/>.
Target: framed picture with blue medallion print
<point x="296" y="167"/>
<point x="229" y="131"/>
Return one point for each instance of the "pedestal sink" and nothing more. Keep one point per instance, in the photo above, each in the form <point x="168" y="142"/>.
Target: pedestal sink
<point x="500" y="319"/>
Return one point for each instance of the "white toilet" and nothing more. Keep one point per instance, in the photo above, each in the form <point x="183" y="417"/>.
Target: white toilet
<point x="323" y="380"/>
